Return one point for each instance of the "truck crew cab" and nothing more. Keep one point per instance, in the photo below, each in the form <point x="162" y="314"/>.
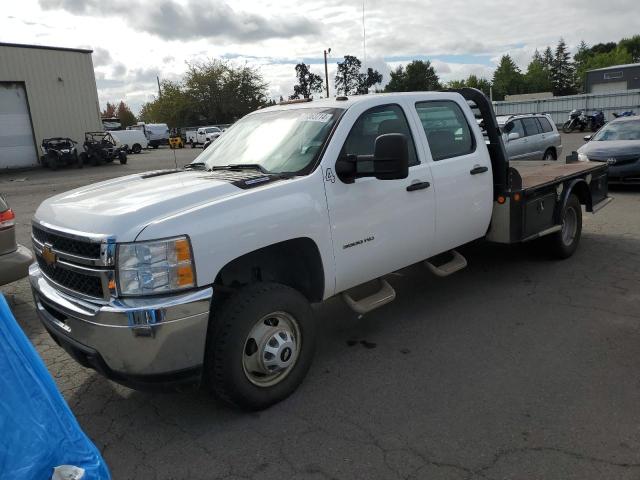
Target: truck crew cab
<point x="206" y="273"/>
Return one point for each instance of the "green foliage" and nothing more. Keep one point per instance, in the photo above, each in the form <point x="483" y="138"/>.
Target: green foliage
<point x="417" y="76"/>
<point x="507" y="79"/>
<point x="562" y="71"/>
<point x="307" y="82"/>
<point x="211" y="92"/>
<point x="601" y="56"/>
<point x="349" y="80"/>
<point x="632" y="45"/>
<point x="124" y="114"/>
<point x="473" y="81"/>
<point x="537" y="78"/>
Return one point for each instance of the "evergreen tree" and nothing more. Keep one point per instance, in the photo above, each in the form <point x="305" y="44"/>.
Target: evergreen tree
<point x="308" y="82"/>
<point x="349" y="80"/>
<point x="124" y="114"/>
<point x="632" y="45"/>
<point x="537" y="76"/>
<point x="417" y="76"/>
<point x="547" y="58"/>
<point x="507" y="79"/>
<point x="562" y="71"/>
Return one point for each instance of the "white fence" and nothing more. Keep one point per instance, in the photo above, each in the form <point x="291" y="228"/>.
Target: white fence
<point x="559" y="107"/>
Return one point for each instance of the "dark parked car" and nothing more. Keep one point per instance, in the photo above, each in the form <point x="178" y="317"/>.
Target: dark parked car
<point x="14" y="259"/>
<point x="618" y="144"/>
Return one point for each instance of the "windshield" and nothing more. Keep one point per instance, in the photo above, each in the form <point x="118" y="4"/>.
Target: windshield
<point x="627" y="130"/>
<point x="278" y="141"/>
<point x="212" y="129"/>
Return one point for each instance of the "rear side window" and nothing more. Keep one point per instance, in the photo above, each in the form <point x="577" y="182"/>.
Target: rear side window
<point x="545" y="124"/>
<point x="373" y="123"/>
<point x="530" y="126"/>
<point x="446" y="127"/>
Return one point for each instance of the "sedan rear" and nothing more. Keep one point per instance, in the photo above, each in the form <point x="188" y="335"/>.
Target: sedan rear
<point x="14" y="258"/>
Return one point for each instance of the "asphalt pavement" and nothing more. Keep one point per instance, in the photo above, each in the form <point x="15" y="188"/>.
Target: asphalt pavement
<point x="518" y="367"/>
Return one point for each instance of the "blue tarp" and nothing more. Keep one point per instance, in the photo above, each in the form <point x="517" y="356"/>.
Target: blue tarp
<point x="37" y="429"/>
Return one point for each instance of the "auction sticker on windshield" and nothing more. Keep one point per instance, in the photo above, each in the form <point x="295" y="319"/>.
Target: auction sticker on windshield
<point x="317" y="117"/>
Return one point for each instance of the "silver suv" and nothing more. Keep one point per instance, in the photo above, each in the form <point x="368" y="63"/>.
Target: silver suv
<point x="530" y="137"/>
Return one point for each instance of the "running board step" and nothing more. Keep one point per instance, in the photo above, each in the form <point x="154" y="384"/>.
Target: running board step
<point x="383" y="296"/>
<point x="457" y="262"/>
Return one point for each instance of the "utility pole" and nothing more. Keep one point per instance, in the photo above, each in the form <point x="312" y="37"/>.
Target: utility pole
<point x="159" y="91"/>
<point x="326" y="71"/>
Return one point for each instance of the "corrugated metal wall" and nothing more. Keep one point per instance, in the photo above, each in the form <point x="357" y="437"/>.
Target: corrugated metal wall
<point x="559" y="107"/>
<point x="61" y="90"/>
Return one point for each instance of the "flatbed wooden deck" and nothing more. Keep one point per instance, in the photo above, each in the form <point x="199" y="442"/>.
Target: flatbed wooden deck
<point x="538" y="174"/>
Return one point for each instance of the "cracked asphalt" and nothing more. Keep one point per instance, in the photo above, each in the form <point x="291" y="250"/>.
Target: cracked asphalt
<point x="518" y="367"/>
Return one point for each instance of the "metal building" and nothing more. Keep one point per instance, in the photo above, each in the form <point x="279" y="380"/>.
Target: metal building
<point x="618" y="78"/>
<point x="44" y="92"/>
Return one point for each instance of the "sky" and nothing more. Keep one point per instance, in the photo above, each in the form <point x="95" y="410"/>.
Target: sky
<point x="133" y="41"/>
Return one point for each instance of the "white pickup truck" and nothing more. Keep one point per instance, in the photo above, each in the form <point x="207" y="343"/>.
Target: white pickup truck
<point x="202" y="135"/>
<point x="206" y="274"/>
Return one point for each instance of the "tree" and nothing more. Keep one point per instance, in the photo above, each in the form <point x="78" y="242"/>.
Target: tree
<point x="537" y="77"/>
<point x="349" y="80"/>
<point x="308" y="82"/>
<point x="473" y="81"/>
<point x="547" y="59"/>
<point x="617" y="56"/>
<point x="417" y="76"/>
<point x="507" y="79"/>
<point x="632" y="45"/>
<point x="109" y="111"/>
<point x="124" y="114"/>
<point x="562" y="71"/>
<point x="213" y="91"/>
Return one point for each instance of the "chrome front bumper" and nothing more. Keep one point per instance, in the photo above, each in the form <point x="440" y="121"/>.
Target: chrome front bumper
<point x="154" y="336"/>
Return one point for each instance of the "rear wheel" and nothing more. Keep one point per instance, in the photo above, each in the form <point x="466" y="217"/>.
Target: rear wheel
<point x="193" y="145"/>
<point x="260" y="345"/>
<point x="565" y="242"/>
<point x="549" y="154"/>
<point x="567" y="127"/>
<point x="137" y="148"/>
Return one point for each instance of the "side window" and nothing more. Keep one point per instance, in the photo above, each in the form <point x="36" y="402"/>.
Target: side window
<point x="546" y="126"/>
<point x="446" y="127"/>
<point x="374" y="122"/>
<point x="530" y="126"/>
<point x="517" y="128"/>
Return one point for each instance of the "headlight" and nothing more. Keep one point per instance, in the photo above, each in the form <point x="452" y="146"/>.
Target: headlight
<point x="582" y="157"/>
<point x="160" y="266"/>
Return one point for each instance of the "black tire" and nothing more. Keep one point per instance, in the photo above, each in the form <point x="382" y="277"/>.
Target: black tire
<point x="550" y="154"/>
<point x="122" y="156"/>
<point x="137" y="148"/>
<point x="52" y="161"/>
<point x="155" y="146"/>
<point x="193" y="145"/>
<point x="568" y="126"/>
<point x="582" y="127"/>
<point x="95" y="160"/>
<point x="228" y="340"/>
<point x="561" y="244"/>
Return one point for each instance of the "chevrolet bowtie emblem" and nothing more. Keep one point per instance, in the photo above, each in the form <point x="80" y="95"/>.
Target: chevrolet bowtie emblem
<point x="48" y="255"/>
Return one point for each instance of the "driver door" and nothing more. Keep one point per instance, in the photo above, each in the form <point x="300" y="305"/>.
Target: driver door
<point x="377" y="226"/>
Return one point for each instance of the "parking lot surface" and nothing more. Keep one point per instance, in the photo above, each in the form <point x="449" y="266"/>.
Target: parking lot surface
<point x="518" y="367"/>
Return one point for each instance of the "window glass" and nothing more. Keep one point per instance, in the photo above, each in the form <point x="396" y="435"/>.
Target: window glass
<point x="530" y="126"/>
<point x="447" y="130"/>
<point x="546" y="126"/>
<point x="517" y="128"/>
<point x="373" y="123"/>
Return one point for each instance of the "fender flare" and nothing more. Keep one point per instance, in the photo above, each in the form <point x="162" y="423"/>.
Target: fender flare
<point x="583" y="192"/>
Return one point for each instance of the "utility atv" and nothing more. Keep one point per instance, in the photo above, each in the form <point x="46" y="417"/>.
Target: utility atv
<point x="101" y="147"/>
<point x="59" y="151"/>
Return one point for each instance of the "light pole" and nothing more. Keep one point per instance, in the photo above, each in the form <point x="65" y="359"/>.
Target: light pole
<point x="326" y="71"/>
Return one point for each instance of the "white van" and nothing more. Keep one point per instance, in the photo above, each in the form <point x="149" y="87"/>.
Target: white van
<point x="134" y="139"/>
<point x="157" y="133"/>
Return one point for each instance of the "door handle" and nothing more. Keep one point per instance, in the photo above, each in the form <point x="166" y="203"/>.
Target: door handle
<point x="478" y="169"/>
<point x="418" y="186"/>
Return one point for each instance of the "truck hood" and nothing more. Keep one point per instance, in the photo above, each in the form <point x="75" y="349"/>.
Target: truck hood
<point x="122" y="207"/>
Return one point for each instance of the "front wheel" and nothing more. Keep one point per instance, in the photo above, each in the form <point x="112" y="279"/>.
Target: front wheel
<point x="260" y="345"/>
<point x="567" y="127"/>
<point x="122" y="156"/>
<point x="565" y="242"/>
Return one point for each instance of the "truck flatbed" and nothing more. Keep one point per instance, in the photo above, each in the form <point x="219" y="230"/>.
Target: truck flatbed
<point x="537" y="174"/>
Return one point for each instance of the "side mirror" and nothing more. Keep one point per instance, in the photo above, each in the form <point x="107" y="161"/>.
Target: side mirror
<point x="586" y="138"/>
<point x="513" y="136"/>
<point x="391" y="157"/>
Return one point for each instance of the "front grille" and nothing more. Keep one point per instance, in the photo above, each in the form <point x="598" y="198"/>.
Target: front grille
<point x="66" y="244"/>
<point x="86" y="284"/>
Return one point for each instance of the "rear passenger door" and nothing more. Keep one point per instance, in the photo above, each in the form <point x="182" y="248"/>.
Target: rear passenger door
<point x="534" y="138"/>
<point x="462" y="176"/>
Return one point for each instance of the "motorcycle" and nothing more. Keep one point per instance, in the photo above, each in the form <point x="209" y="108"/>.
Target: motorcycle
<point x="577" y="119"/>
<point x="596" y="120"/>
<point x="628" y="113"/>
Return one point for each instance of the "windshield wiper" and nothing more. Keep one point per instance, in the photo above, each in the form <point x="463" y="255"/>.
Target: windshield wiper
<point x="241" y="166"/>
<point x="195" y="165"/>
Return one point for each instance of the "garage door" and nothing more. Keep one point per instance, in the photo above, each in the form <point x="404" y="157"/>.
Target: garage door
<point x="16" y="137"/>
<point x="609" y="87"/>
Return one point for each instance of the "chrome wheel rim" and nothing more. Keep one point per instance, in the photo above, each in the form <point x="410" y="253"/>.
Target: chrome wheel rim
<point x="569" y="226"/>
<point x="271" y="349"/>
